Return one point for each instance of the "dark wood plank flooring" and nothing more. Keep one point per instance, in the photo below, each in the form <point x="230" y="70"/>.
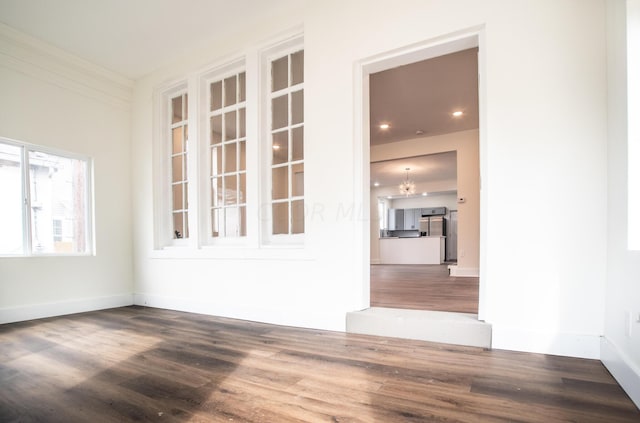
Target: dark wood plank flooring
<point x="142" y="364"/>
<point x="422" y="287"/>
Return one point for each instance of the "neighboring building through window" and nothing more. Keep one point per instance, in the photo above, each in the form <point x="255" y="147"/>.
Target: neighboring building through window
<point x="286" y="99"/>
<point x="46" y="201"/>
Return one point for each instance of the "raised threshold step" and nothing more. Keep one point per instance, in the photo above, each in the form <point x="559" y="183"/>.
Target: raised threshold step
<point x="432" y="326"/>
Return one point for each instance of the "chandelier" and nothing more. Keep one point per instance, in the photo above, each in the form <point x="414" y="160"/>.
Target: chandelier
<point x="407" y="187"/>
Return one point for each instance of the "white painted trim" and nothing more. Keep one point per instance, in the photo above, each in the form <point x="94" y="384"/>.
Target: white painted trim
<point x="334" y="321"/>
<point x="624" y="371"/>
<point x="40" y="311"/>
<point x="464" y="272"/>
<point x="50" y="64"/>
<point x="554" y="343"/>
<point x="445" y="44"/>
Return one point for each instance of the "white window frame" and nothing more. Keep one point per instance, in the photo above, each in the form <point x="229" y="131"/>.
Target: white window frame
<point x="89" y="230"/>
<point x="219" y="73"/>
<point x="267" y="56"/>
<point x="163" y="200"/>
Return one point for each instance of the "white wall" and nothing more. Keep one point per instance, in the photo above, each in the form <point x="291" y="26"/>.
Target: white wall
<point x="543" y="147"/>
<point x="621" y="343"/>
<point x="51" y="99"/>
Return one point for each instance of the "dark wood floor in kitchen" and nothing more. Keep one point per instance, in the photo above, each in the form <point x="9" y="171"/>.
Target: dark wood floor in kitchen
<point x="422" y="287"/>
<point x="141" y="364"/>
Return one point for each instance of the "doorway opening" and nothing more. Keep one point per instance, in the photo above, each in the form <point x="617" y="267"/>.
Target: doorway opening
<point x="423" y="105"/>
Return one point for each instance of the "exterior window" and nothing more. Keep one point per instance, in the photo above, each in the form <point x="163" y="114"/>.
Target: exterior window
<point x="286" y="100"/>
<point x="46" y="207"/>
<point x="179" y="180"/>
<point x="227" y="147"/>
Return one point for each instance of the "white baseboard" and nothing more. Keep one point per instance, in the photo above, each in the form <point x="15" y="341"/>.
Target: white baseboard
<point x="625" y="372"/>
<point x="334" y="320"/>
<point x="564" y="344"/>
<point x="461" y="272"/>
<point x="39" y="311"/>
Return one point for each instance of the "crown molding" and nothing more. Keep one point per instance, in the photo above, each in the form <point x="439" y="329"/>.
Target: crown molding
<point x="33" y="57"/>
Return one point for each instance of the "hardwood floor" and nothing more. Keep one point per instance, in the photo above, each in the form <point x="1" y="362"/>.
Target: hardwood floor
<point x="422" y="287"/>
<point x="141" y="364"/>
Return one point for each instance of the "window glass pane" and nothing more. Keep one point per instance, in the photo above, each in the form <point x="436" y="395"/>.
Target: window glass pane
<point x="230" y="157"/>
<point x="242" y="122"/>
<point x="242" y="153"/>
<point x="280" y="218"/>
<point x="242" y="198"/>
<point x="177" y="140"/>
<point x="230" y="190"/>
<point x="280" y="112"/>
<point x="216" y="95"/>
<point x="176" y="166"/>
<point x="231" y="221"/>
<point x="297" y="180"/>
<point x="216" y="129"/>
<point x="297" y="107"/>
<point x="280" y="73"/>
<point x="215" y="222"/>
<point x="230" y="126"/>
<point x="297" y="67"/>
<point x="177" y="197"/>
<point x="178" y="225"/>
<point x="176" y="109"/>
<point x="242" y="96"/>
<point x="230" y="91"/>
<point x="297" y="217"/>
<point x="11" y="195"/>
<point x="297" y="143"/>
<point x="280" y="183"/>
<point x="243" y="221"/>
<point x="185" y="106"/>
<point x="216" y="192"/>
<point x="280" y="147"/>
<point x="216" y="160"/>
<point x="58" y="192"/>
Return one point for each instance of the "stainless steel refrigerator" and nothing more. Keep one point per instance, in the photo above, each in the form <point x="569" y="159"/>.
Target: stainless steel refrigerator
<point x="437" y="226"/>
<point x="433" y="226"/>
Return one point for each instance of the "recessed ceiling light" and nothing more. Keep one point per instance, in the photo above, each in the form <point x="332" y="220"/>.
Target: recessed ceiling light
<point x="384" y="126"/>
<point x="389" y="197"/>
<point x="424" y="194"/>
<point x="376" y="184"/>
<point x="276" y="147"/>
<point x="419" y="132"/>
<point x="457" y="113"/>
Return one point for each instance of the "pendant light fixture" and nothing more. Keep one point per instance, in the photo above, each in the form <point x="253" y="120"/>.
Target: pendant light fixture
<point x="407" y="187"/>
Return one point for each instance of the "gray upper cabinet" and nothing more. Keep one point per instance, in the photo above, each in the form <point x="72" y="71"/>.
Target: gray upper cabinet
<point x="412" y="219"/>
<point x="434" y="211"/>
<point x="396" y="219"/>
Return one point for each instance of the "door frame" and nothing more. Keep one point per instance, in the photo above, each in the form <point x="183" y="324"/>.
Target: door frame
<point x="450" y="43"/>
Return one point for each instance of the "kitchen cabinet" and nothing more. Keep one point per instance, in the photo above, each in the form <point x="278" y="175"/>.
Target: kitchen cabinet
<point x="396" y="220"/>
<point x="412" y="219"/>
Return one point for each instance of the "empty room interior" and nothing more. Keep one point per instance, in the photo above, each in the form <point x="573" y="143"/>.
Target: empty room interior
<point x="308" y="211"/>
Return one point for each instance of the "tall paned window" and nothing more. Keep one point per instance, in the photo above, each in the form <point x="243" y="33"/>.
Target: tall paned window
<point x="287" y="144"/>
<point x="46" y="206"/>
<point x="179" y="181"/>
<point x="228" y="163"/>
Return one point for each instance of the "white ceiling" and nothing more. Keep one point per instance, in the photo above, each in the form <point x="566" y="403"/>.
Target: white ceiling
<point x="136" y="37"/>
<point x="422" y="96"/>
<point x="432" y="167"/>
